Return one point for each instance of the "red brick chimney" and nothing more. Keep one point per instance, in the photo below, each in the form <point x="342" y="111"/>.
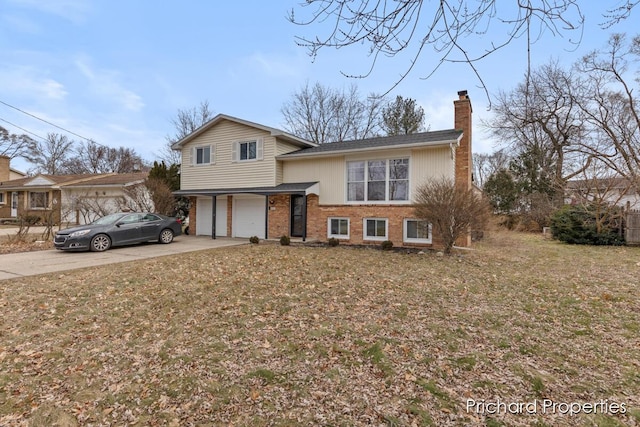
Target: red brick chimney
<point x="462" y="118"/>
<point x="5" y="168"/>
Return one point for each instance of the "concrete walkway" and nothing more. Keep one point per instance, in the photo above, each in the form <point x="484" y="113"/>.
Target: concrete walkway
<point x="51" y="261"/>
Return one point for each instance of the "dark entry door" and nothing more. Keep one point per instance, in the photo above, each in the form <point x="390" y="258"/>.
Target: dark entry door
<point x="297" y="215"/>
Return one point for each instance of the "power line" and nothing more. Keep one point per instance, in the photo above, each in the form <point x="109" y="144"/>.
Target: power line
<point x="45" y="121"/>
<point x="23" y="129"/>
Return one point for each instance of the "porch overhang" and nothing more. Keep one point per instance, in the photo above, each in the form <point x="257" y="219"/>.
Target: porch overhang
<point x="301" y="188"/>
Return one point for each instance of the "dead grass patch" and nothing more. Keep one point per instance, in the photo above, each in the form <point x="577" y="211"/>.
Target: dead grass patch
<point x="274" y="335"/>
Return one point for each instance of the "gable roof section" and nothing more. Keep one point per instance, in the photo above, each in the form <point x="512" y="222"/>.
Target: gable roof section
<point x="423" y="139"/>
<point x="44" y="180"/>
<point x="112" y="180"/>
<point x="74" y="181"/>
<point x="220" y="117"/>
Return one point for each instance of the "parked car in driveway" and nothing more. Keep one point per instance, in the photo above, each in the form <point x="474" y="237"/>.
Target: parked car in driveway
<point x="117" y="230"/>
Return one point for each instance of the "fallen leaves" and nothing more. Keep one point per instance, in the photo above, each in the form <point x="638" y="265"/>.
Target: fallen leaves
<point x="266" y="334"/>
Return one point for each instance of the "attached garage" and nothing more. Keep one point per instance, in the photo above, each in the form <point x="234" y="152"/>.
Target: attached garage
<point x="204" y="221"/>
<point x="249" y="216"/>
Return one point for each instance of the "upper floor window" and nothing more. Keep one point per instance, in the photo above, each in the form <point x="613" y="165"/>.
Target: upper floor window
<point x="247" y="150"/>
<point x="38" y="199"/>
<point x="202" y="155"/>
<point x="378" y="180"/>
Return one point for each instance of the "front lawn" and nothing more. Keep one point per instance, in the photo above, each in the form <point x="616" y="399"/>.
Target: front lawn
<point x="271" y="335"/>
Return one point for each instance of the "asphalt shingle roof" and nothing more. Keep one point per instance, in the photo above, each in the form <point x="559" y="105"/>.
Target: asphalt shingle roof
<point x="426" y="138"/>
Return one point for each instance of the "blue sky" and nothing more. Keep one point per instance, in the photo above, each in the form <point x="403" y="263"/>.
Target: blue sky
<point x="117" y="71"/>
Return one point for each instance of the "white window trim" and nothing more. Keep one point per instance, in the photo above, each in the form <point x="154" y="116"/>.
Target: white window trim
<point x="406" y="239"/>
<point x="194" y="155"/>
<point x="235" y="152"/>
<point x="375" y="238"/>
<point x="339" y="236"/>
<point x="386" y="186"/>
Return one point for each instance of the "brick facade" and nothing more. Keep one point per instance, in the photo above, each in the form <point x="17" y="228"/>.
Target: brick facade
<point x="462" y="119"/>
<point x="318" y="217"/>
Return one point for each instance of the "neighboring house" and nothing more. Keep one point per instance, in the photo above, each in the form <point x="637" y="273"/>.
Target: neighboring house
<point x="76" y="199"/>
<point x="245" y="179"/>
<point x="614" y="191"/>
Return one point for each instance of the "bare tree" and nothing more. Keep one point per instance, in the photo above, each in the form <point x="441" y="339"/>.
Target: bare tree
<point x="321" y="114"/>
<point x="541" y="117"/>
<point x="450" y="27"/>
<point x="185" y="122"/>
<point x="608" y="101"/>
<point x="91" y="157"/>
<point x="452" y="210"/>
<point x="486" y="165"/>
<point x="137" y="198"/>
<point x="402" y="117"/>
<point x="12" y="145"/>
<point x="49" y="156"/>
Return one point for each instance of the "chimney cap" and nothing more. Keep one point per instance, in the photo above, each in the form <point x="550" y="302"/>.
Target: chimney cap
<point x="463" y="94"/>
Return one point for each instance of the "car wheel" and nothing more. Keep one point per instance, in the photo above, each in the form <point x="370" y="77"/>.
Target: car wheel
<point x="100" y="243"/>
<point x="166" y="236"/>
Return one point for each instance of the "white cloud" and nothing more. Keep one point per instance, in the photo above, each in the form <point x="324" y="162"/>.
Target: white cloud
<point x="105" y="84"/>
<point x="27" y="82"/>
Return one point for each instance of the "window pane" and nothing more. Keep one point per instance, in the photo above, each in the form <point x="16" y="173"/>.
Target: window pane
<point x="412" y="229"/>
<point x="355" y="191"/>
<point x="417" y="230"/>
<point x="344" y="227"/>
<point x="377" y="170"/>
<point x="243" y="151"/>
<point x="355" y="171"/>
<point x="398" y="190"/>
<point x="206" y="155"/>
<point x="339" y="227"/>
<point x="375" y="190"/>
<point x="334" y="228"/>
<point x="199" y="156"/>
<point x="381" y="229"/>
<point x="399" y="169"/>
<point x="371" y="227"/>
<point x="251" y="150"/>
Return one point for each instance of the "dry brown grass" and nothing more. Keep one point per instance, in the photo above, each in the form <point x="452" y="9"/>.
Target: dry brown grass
<point x="271" y="335"/>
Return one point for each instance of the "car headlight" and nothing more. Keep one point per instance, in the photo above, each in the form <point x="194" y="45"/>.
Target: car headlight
<point x="79" y="233"/>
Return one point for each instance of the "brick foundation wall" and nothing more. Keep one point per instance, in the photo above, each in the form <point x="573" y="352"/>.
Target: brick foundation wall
<point x="318" y="215"/>
<point x="192" y="216"/>
<point x="279" y="215"/>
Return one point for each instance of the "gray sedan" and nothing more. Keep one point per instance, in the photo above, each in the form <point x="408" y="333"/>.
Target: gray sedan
<point x="117" y="230"/>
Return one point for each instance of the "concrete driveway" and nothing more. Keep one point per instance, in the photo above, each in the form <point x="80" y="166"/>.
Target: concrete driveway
<point x="51" y="261"/>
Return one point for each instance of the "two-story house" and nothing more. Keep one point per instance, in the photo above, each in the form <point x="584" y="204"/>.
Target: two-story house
<point x="245" y="179"/>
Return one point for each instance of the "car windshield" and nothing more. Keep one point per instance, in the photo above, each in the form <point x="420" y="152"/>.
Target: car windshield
<point x="109" y="219"/>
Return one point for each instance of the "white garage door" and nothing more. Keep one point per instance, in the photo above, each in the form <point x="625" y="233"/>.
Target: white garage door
<point x="248" y="216"/>
<point x="203" y="216"/>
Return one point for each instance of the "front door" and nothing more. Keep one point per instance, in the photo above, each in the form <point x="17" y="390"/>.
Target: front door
<point x="297" y="215"/>
<point x="14" y="204"/>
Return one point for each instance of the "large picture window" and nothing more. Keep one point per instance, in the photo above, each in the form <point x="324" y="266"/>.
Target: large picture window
<point x="378" y="180"/>
<point x="38" y="200"/>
